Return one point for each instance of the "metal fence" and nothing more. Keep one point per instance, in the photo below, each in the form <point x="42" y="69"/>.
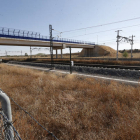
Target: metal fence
<point x="22" y="34"/>
<point x="5" y="124"/>
<point x="7" y="130"/>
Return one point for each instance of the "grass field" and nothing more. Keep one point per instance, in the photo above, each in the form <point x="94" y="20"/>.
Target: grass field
<point x="76" y="55"/>
<point x="107" y="62"/>
<point x="90" y="61"/>
<point x="73" y="108"/>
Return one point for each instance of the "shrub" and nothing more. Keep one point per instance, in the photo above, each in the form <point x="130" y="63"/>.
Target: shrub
<point x="125" y="54"/>
<point x="26" y="54"/>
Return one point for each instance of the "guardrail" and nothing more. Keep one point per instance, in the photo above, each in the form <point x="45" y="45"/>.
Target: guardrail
<point x="22" y="34"/>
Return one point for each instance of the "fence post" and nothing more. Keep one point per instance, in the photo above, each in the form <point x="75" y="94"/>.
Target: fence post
<point x="6" y="106"/>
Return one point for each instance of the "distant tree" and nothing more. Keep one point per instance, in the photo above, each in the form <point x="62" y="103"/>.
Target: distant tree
<point x="136" y="50"/>
<point x="26" y="54"/>
<point x="125" y="54"/>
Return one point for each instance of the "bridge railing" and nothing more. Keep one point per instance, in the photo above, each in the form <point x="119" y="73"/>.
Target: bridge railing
<point x="22" y="34"/>
<point x="16" y="32"/>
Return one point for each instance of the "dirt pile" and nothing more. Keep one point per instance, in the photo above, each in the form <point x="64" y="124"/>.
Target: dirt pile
<point x="99" y="50"/>
<point x="111" y="51"/>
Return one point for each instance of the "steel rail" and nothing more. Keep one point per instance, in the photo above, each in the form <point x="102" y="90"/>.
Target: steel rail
<point x="126" y="67"/>
<point x="98" y="65"/>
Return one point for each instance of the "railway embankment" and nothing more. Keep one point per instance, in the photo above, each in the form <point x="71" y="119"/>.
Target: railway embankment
<point x="120" y="73"/>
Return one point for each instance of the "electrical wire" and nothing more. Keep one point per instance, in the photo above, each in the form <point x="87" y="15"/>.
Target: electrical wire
<point x="107" y="41"/>
<point x="112" y="42"/>
<point x="102" y="24"/>
<point x="33" y="118"/>
<point x="106" y="30"/>
<point x="132" y="31"/>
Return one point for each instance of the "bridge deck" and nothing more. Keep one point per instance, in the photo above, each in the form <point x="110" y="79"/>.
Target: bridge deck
<point x="17" y="35"/>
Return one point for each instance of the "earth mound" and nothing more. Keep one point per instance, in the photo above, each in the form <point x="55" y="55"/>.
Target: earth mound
<point x="98" y="51"/>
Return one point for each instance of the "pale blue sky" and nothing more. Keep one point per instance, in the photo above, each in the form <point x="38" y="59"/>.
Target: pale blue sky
<point x="64" y="15"/>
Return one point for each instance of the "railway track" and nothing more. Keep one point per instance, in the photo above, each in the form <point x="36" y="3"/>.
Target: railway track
<point x="111" y="59"/>
<point x="128" y="72"/>
<point x="125" y="67"/>
<point x="99" y="65"/>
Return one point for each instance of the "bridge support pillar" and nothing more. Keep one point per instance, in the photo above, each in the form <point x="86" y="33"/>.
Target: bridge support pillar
<point x="61" y="53"/>
<point x="56" y="54"/>
<point x="30" y="52"/>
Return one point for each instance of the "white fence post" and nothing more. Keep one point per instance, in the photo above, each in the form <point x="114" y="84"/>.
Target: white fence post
<point x="6" y="106"/>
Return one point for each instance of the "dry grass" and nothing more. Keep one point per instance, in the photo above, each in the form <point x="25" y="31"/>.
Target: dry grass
<point x="110" y="50"/>
<point x="108" y="62"/>
<point x="112" y="54"/>
<point x="135" y="55"/>
<point x="83" y="60"/>
<point x="73" y="108"/>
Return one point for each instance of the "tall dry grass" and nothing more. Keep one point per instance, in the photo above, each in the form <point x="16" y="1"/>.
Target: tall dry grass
<point x="107" y="62"/>
<point x="90" y="61"/>
<point x="73" y="108"/>
<point x="75" y="59"/>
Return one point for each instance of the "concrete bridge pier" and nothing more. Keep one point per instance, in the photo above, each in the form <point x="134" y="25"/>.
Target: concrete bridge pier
<point x="61" y="53"/>
<point x="56" y="54"/>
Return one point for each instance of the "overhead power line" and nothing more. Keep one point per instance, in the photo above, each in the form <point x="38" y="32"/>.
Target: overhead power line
<point x="106" y="30"/>
<point x="102" y="24"/>
<point x="105" y="41"/>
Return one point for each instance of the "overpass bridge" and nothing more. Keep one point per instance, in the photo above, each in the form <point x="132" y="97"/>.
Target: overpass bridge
<point x="14" y="37"/>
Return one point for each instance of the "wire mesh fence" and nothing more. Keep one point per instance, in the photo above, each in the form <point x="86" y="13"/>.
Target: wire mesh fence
<point x="7" y="130"/>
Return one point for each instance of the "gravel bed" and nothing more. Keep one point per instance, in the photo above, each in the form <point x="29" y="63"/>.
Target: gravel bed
<point x="133" y="74"/>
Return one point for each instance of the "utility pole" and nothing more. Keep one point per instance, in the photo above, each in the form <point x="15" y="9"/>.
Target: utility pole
<point x="30" y="52"/>
<point x="132" y="42"/>
<point x="51" y="46"/>
<point x="70" y="60"/>
<point x="117" y="42"/>
<point x="6" y="53"/>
